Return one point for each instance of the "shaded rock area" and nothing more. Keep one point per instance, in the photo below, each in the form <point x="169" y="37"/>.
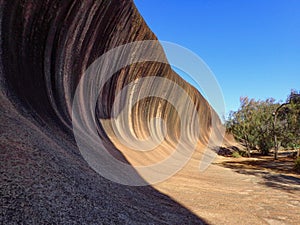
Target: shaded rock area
<point x="44" y="180"/>
<point x="45" y="48"/>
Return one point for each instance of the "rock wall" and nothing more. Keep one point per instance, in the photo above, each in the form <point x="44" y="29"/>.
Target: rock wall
<point x="46" y="47"/>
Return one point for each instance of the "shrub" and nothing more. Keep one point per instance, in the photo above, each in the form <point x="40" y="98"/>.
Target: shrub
<point x="297" y="165"/>
<point x="236" y="155"/>
<point x="244" y="153"/>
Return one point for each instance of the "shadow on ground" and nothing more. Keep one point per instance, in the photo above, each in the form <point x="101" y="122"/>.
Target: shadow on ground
<point x="275" y="174"/>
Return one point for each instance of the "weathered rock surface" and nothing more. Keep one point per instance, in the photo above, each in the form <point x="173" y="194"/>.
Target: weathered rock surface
<point x="45" y="48"/>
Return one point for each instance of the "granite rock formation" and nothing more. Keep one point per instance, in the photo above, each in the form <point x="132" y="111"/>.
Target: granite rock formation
<point x="46" y="46"/>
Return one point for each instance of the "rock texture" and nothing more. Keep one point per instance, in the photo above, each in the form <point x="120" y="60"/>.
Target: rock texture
<point x="46" y="46"/>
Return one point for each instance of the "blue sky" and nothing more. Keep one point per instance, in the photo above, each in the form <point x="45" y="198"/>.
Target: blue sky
<point x="252" y="46"/>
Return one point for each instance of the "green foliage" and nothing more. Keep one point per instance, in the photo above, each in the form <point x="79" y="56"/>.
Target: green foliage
<point x="297" y="165"/>
<point x="236" y="155"/>
<point x="254" y="123"/>
<point x="292" y="134"/>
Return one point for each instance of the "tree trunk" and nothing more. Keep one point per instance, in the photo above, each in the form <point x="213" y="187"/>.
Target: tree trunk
<point x="247" y="147"/>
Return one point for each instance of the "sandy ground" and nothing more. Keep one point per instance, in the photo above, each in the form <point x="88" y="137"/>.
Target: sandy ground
<point x="236" y="196"/>
<point x="44" y="178"/>
<point x="230" y="191"/>
<point x="219" y="195"/>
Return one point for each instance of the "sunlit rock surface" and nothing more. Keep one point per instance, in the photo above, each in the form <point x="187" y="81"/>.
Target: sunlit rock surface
<point x="46" y="47"/>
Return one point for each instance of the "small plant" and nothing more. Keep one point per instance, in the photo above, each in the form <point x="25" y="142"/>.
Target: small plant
<point x="243" y="153"/>
<point x="297" y="165"/>
<point x="236" y="155"/>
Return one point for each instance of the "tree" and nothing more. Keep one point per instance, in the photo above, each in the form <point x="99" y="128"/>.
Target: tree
<point x="252" y="124"/>
<point x="239" y="123"/>
<point x="266" y="124"/>
<point x="263" y="125"/>
<point x="293" y="120"/>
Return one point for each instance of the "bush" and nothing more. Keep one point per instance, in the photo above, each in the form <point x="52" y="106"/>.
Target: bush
<point x="264" y="147"/>
<point x="236" y="155"/>
<point x="297" y="165"/>
<point x="244" y="154"/>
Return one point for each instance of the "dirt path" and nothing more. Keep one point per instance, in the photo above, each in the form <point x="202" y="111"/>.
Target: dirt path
<point x="234" y="193"/>
<point x="227" y="196"/>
